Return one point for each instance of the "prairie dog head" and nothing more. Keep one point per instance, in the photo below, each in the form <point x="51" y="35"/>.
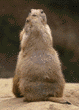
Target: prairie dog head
<point x="38" y="13"/>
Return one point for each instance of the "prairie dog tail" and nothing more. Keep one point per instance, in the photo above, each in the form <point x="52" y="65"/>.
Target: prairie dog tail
<point x="58" y="100"/>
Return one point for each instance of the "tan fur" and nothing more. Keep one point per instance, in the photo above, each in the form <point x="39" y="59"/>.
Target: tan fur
<point x="38" y="74"/>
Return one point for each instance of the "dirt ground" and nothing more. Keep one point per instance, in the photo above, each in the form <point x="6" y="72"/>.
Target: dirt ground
<point x="9" y="102"/>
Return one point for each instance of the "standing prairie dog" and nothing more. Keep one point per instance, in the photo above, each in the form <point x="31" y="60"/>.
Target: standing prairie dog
<point x="38" y="74"/>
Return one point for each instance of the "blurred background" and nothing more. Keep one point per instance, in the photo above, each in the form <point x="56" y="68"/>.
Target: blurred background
<point x="63" y="18"/>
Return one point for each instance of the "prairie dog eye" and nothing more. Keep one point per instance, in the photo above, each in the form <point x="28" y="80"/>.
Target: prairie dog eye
<point x="42" y="11"/>
<point x="27" y="20"/>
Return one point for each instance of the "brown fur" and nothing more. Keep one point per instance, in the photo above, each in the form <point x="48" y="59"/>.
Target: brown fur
<point x="38" y="74"/>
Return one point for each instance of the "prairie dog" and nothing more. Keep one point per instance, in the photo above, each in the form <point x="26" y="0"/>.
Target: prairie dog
<point x="38" y="74"/>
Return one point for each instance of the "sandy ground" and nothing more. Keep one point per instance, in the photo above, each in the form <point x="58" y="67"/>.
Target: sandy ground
<point x="9" y="102"/>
